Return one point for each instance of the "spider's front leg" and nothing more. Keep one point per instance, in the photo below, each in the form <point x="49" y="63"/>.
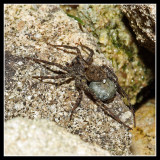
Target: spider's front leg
<point x="88" y="60"/>
<point x="90" y="57"/>
<point x="78" y="53"/>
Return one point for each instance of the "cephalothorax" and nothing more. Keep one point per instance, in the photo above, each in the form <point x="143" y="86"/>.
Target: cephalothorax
<point x="89" y="78"/>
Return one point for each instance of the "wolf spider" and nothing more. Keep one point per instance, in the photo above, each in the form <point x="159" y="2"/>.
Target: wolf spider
<point x="83" y="72"/>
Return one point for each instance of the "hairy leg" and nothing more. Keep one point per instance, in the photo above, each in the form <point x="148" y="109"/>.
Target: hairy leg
<point x="90" y="57"/>
<point x="111" y="74"/>
<point x="50" y="63"/>
<point x="52" y="77"/>
<point x="57" y="72"/>
<point x="78" y="101"/>
<point x="114" y="78"/>
<point x="68" y="47"/>
<point x="60" y="83"/>
<point x="123" y="93"/>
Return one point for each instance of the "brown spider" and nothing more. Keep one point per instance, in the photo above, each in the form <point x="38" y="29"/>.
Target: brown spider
<point x="83" y="72"/>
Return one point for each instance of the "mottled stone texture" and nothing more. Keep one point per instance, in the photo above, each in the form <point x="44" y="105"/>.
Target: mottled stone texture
<point x="42" y="138"/>
<point x="144" y="139"/>
<point x="142" y="19"/>
<point x="27" y="29"/>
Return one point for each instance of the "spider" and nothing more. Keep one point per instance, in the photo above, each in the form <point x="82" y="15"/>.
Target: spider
<point x="84" y="72"/>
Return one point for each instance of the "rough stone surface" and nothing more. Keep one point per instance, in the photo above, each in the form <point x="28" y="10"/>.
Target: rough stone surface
<point x="42" y="137"/>
<point x="27" y="28"/>
<point x="144" y="139"/>
<point x="142" y="19"/>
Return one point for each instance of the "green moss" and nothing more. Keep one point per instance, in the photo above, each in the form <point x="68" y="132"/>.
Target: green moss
<point x="117" y="44"/>
<point x="76" y="18"/>
<point x="129" y="52"/>
<point x="124" y="67"/>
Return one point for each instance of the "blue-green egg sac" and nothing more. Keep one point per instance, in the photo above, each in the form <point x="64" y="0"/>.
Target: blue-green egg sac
<point x="104" y="90"/>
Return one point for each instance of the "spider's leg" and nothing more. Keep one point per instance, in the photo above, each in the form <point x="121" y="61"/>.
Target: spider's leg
<point x="103" y="106"/>
<point x="64" y="50"/>
<point x="65" y="46"/>
<point x="57" y="72"/>
<point x="52" y="77"/>
<point x="123" y="93"/>
<point x="50" y="63"/>
<point x="60" y="83"/>
<point x="78" y="101"/>
<point x="68" y="47"/>
<point x="90" y="57"/>
<point x="133" y="112"/>
<point x="113" y="116"/>
<point x="111" y="74"/>
<point x="114" y="78"/>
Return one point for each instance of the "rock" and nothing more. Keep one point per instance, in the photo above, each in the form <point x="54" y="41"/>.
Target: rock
<point x="143" y="141"/>
<point x="28" y="97"/>
<point x="142" y="19"/>
<point x="42" y="138"/>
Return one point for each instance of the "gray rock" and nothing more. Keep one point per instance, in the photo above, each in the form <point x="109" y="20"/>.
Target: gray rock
<point x="142" y="19"/>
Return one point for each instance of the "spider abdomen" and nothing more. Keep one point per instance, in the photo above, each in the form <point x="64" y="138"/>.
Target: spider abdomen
<point x="103" y="90"/>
